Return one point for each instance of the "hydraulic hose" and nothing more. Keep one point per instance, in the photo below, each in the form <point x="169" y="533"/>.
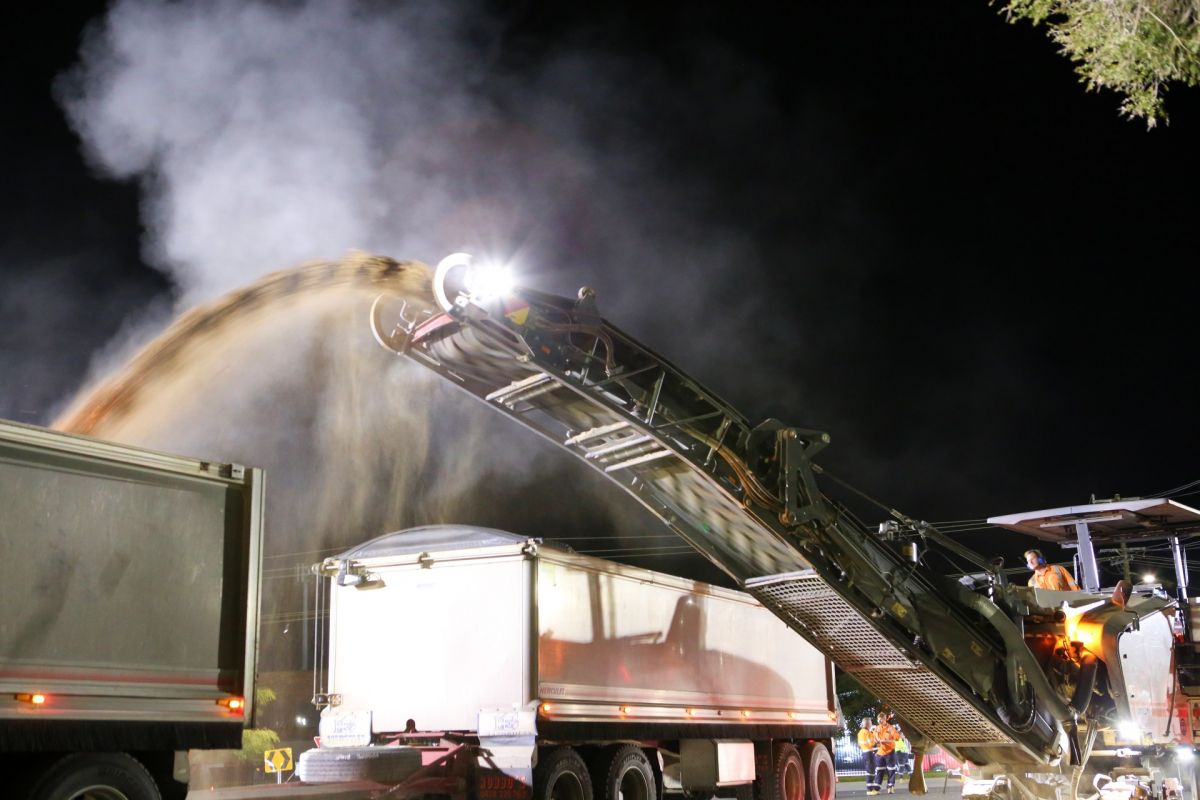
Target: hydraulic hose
<point x="1089" y="667"/>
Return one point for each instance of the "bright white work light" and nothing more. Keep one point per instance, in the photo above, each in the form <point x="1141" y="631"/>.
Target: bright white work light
<point x="1129" y="731"/>
<point x="487" y="280"/>
<point x="483" y="281"/>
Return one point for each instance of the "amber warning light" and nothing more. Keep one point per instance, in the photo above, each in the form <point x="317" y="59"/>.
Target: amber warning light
<point x="37" y="698"/>
<point x="234" y="704"/>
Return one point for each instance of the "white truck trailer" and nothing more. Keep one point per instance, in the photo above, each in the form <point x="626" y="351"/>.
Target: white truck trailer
<point x="474" y="663"/>
<point x="130" y="583"/>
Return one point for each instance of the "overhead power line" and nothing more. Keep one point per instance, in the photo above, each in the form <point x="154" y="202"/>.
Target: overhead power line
<point x="1170" y="492"/>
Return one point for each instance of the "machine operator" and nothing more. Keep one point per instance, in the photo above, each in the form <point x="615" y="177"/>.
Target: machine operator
<point x="1048" y="576"/>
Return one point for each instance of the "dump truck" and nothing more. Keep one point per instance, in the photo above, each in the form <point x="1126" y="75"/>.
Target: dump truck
<point x="476" y="663"/>
<point x="130" y="585"/>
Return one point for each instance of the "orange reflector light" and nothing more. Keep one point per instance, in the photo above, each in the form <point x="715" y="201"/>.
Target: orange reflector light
<point x="37" y="698"/>
<point x="547" y="708"/>
<point x="746" y="713"/>
<point x="233" y="703"/>
<point x="793" y="715"/>
<point x="691" y="712"/>
<point x="625" y="709"/>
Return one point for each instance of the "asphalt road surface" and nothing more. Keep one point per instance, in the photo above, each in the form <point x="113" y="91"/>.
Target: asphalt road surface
<point x="849" y="789"/>
<point x="933" y="783"/>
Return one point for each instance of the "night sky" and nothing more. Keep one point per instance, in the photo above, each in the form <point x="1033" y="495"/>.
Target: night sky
<point x="905" y="224"/>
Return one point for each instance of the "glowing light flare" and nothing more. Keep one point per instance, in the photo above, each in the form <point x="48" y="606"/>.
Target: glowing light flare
<point x="1185" y="754"/>
<point x="37" y="699"/>
<point x="483" y="281"/>
<point x="234" y="704"/>
<point x="547" y="709"/>
<point x="1078" y="629"/>
<point x="1087" y="633"/>
<point x="488" y="280"/>
<point x="1128" y="730"/>
<point x="746" y="713"/>
<point x="1149" y="577"/>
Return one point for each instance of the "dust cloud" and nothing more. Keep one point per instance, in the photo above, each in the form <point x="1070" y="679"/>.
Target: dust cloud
<point x="356" y="442"/>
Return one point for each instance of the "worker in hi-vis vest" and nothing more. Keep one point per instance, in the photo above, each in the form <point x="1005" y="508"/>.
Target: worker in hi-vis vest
<point x="868" y="744"/>
<point x="1048" y="576"/>
<point x="886" y="735"/>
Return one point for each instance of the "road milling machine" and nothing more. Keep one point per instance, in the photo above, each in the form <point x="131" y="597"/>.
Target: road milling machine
<point x="1032" y="684"/>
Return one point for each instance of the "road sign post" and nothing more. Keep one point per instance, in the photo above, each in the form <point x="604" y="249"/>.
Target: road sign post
<point x="278" y="761"/>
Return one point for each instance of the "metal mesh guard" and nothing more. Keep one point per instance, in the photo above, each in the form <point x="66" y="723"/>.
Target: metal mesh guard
<point x="812" y="609"/>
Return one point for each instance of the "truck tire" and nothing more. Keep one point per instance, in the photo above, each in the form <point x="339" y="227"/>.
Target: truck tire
<point x="390" y="765"/>
<point x="628" y="776"/>
<point x="819" y="774"/>
<point x="96" y="776"/>
<point x="783" y="776"/>
<point x="561" y="775"/>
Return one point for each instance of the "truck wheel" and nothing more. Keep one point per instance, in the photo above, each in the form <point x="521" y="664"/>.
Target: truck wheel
<point x="783" y="778"/>
<point x="96" y="776"/>
<point x="819" y="773"/>
<point x="561" y="775"/>
<point x="629" y="776"/>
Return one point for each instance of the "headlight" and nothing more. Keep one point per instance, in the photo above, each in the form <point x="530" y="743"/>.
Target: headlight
<point x="482" y="281"/>
<point x="1184" y="753"/>
<point x="488" y="280"/>
<point x="1129" y="731"/>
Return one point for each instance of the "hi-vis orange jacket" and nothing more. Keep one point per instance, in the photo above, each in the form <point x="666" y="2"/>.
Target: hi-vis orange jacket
<point x="1053" y="577"/>
<point x="886" y="734"/>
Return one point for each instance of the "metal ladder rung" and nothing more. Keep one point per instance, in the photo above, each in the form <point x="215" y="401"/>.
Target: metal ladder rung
<point x="616" y="447"/>
<point x="657" y="454"/>
<point x="596" y="433"/>
<point x="528" y="394"/>
<point x="502" y="395"/>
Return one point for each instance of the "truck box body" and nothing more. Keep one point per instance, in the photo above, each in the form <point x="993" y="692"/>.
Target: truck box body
<point x="130" y="582"/>
<point x="437" y="625"/>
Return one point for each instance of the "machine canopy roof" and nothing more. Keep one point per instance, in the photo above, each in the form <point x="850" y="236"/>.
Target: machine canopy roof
<point x="1117" y="520"/>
